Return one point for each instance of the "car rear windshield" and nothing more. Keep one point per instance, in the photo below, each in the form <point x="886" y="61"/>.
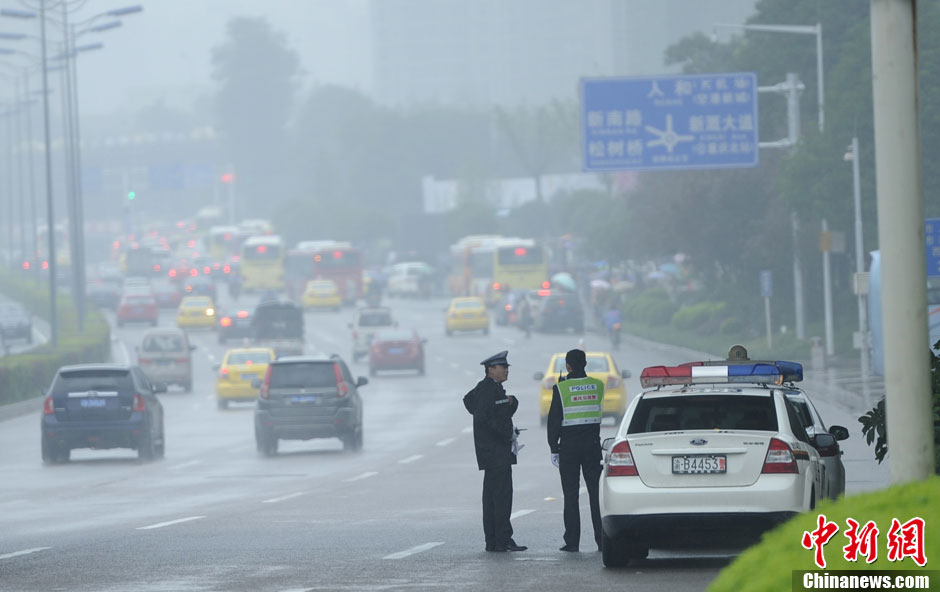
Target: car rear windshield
<point x="468" y="304"/>
<point x="303" y="375"/>
<point x="102" y="380"/>
<point x="258" y="357"/>
<point x="594" y="364"/>
<point x="392" y="335"/>
<point x="375" y="319"/>
<point x="197" y="302"/>
<point x="704" y="412"/>
<point x="163" y="343"/>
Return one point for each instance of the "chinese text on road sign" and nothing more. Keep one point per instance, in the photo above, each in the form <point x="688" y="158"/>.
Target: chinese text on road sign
<point x="670" y="122"/>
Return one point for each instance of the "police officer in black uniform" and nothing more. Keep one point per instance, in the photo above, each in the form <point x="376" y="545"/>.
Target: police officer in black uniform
<point x="576" y="449"/>
<point x="493" y="432"/>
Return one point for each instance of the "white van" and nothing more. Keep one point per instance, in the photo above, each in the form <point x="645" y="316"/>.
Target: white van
<point x="405" y="279"/>
<point x="165" y="356"/>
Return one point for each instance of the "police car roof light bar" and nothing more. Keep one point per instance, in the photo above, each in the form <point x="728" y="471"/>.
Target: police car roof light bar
<point x="697" y="373"/>
<point x="791" y="371"/>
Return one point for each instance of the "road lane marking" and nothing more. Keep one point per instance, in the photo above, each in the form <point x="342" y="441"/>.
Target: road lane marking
<point x="519" y="514"/>
<point x="365" y="475"/>
<point x="169" y="523"/>
<point x="509" y="341"/>
<point x="185" y="464"/>
<point x="468" y="430"/>
<point x="23" y="552"/>
<point x="410" y="459"/>
<point x="412" y="551"/>
<point x="275" y="500"/>
<point x="447" y="441"/>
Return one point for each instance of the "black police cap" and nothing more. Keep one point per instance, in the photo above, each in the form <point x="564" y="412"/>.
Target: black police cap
<point x="497" y="359"/>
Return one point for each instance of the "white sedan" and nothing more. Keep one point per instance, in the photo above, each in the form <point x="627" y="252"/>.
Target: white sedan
<point x="710" y="455"/>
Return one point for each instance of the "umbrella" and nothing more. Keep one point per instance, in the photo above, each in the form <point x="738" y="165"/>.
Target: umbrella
<point x="623" y="286"/>
<point x="564" y="280"/>
<point x="600" y="284"/>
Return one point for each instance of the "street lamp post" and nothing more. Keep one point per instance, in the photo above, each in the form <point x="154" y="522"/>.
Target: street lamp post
<point x="853" y="155"/>
<point x="820" y="100"/>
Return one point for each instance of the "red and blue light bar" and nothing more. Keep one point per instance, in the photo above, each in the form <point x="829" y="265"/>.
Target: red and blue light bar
<point x="697" y="373"/>
<point x="791" y="371"/>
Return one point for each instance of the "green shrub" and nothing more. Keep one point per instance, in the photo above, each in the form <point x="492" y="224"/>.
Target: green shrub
<point x="652" y="307"/>
<point x="692" y="317"/>
<point x="768" y="566"/>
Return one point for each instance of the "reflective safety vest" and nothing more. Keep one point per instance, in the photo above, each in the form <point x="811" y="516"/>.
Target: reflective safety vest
<point x="582" y="400"/>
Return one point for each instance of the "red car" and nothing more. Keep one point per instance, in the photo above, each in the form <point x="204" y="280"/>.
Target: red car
<point x="138" y="308"/>
<point x="396" y="349"/>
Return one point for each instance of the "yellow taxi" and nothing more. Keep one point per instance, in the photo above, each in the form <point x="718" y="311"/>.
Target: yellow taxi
<point x="322" y="294"/>
<point x="196" y="312"/>
<point x="467" y="314"/>
<point x="600" y="365"/>
<point x="238" y="369"/>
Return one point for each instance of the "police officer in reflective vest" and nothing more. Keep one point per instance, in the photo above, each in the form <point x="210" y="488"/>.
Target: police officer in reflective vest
<point x="574" y="436"/>
<point x="493" y="434"/>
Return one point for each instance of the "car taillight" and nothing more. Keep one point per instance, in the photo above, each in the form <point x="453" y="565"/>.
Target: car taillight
<point x="225" y="321"/>
<point x="223" y="373"/>
<point x="206" y="270"/>
<point x="193" y="272"/>
<point x="172" y="273"/>
<point x="548" y="382"/>
<point x="140" y="404"/>
<point x="613" y="382"/>
<point x="620" y="462"/>
<point x="48" y="407"/>
<point x="341" y="389"/>
<point x="508" y="307"/>
<point x="227" y="269"/>
<point x="266" y="385"/>
<point x="779" y="458"/>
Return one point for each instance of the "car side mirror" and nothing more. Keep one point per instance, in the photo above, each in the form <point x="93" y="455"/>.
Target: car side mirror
<point x="159" y="387"/>
<point x="256" y="383"/>
<point x="839" y="432"/>
<point x="625" y="374"/>
<point x="605" y="445"/>
<point x="362" y="381"/>
<point x="538" y="376"/>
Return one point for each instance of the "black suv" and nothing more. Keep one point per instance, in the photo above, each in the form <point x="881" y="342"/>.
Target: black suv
<point x="559" y="312"/>
<point x="306" y="397"/>
<point x="102" y="406"/>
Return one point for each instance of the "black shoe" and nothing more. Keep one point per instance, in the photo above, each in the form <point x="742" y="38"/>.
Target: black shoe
<point x="491" y="548"/>
<point x="512" y="546"/>
<point x="569" y="548"/>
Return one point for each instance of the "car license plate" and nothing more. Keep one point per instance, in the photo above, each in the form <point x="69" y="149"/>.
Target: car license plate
<point x="249" y="377"/>
<point x="304" y="399"/>
<point x="396" y="350"/>
<point x="93" y="403"/>
<point x="699" y="464"/>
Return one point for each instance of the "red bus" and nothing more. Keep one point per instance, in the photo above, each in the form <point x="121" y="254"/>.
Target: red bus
<point x="326" y="260"/>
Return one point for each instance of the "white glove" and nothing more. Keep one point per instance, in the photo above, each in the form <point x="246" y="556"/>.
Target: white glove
<point x="555" y="459"/>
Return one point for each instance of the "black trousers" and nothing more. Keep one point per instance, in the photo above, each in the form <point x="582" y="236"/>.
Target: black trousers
<point x="497" y="505"/>
<point x="576" y="458"/>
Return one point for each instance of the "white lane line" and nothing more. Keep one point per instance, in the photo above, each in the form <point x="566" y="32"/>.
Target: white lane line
<point x="410" y="459"/>
<point x="447" y="441"/>
<point x="468" y="430"/>
<point x="169" y="523"/>
<point x="412" y="551"/>
<point x="509" y="341"/>
<point x="519" y="513"/>
<point x="23" y="552"/>
<point x="365" y="475"/>
<point x="185" y="464"/>
<point x="275" y="500"/>
<point x="123" y="348"/>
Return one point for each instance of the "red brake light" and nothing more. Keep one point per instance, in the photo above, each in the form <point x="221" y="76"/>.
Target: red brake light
<point x="172" y="273"/>
<point x="520" y="251"/>
<point x="227" y="269"/>
<point x="194" y="272"/>
<point x="224" y="371"/>
<point x="545" y="292"/>
<point x="140" y="404"/>
<point x="206" y="270"/>
<point x="262" y="249"/>
<point x="496" y="286"/>
<point x="546" y="285"/>
<point x="242" y="314"/>
<point x="341" y="389"/>
<point x="156" y="267"/>
<point x="613" y="382"/>
<point x="266" y="385"/>
<point x="508" y="307"/>
<point x="26" y="265"/>
<point x="48" y="407"/>
<point x="337" y="254"/>
<point x="45" y="265"/>
<point x="779" y="458"/>
<point x="225" y="321"/>
<point x="620" y="461"/>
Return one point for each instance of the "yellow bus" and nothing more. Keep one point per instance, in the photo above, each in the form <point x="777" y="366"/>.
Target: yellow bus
<point x="519" y="264"/>
<point x="262" y="263"/>
<point x="222" y="242"/>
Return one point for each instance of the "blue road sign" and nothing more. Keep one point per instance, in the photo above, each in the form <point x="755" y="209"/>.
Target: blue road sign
<point x="932" y="238"/>
<point x="766" y="283"/>
<point x="669" y="122"/>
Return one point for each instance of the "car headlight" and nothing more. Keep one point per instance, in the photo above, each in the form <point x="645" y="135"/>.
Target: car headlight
<point x="210" y="312"/>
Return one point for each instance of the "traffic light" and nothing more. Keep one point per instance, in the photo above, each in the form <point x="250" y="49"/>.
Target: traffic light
<point x="131" y="195"/>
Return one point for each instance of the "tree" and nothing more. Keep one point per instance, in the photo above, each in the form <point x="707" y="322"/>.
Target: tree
<point x="257" y="76"/>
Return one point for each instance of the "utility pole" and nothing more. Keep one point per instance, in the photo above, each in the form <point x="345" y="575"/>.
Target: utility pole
<point x="901" y="238"/>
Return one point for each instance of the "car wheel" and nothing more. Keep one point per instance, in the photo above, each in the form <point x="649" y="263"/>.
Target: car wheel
<point x="267" y="443"/>
<point x="812" y="498"/>
<point x="352" y="441"/>
<point x="160" y="449"/>
<point x="145" y="447"/>
<point x="613" y="551"/>
<point x="49" y="456"/>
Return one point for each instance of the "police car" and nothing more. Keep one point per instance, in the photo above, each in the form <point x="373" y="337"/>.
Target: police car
<point x="708" y="455"/>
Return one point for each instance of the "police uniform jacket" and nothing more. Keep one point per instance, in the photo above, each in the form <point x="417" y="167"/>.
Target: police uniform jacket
<point x="575" y="435"/>
<point x="492" y="414"/>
